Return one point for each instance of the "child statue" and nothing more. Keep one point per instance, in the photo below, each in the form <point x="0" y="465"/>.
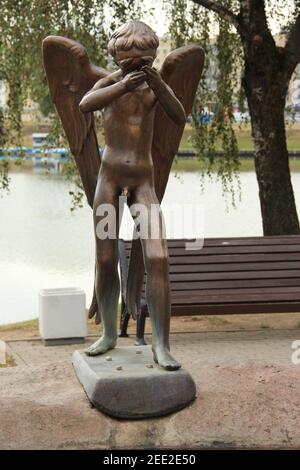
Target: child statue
<point x="144" y="113"/>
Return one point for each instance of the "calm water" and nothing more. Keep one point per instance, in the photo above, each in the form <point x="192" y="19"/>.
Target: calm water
<point x="43" y="244"/>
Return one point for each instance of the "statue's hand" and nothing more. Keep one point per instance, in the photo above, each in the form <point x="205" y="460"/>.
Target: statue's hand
<point x="153" y="77"/>
<point x="80" y="53"/>
<point x="133" y="80"/>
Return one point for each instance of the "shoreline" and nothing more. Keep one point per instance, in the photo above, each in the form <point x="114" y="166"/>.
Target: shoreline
<point x="179" y="165"/>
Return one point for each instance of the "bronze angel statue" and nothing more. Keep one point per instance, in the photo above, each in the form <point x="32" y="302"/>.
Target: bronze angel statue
<point x="144" y="114"/>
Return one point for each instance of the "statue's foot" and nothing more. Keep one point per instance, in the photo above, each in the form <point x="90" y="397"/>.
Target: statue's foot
<point x="101" y="346"/>
<point x="163" y="358"/>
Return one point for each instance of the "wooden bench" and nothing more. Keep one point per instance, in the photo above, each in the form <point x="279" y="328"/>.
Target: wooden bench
<point x="228" y="275"/>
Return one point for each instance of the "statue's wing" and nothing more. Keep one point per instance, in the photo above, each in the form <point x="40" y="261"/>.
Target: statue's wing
<point x="181" y="70"/>
<point x="70" y="75"/>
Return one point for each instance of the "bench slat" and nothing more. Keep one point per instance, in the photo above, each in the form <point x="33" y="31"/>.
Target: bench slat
<point x="245" y="258"/>
<point x="235" y="284"/>
<point x="272" y="274"/>
<point x="269" y="294"/>
<point x="215" y="267"/>
<point x="224" y="250"/>
<point x="204" y="258"/>
<point x="235" y="241"/>
<point x="238" y="308"/>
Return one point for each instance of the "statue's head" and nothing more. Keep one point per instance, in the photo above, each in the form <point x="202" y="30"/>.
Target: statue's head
<point x="133" y="45"/>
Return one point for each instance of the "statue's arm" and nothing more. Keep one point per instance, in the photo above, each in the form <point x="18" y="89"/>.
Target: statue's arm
<point x="170" y="103"/>
<point x="103" y="94"/>
<point x="110" y="79"/>
<point x="165" y="95"/>
<point x="99" y="98"/>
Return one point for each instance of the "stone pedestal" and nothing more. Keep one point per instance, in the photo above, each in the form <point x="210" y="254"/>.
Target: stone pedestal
<point x="125" y="383"/>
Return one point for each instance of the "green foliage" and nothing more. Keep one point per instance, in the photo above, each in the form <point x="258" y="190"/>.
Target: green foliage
<point x="10" y="362"/>
<point x="219" y="89"/>
<point x="4" y="179"/>
<point x="24" y="24"/>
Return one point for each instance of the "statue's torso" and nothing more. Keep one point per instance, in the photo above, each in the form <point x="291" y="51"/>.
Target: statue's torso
<point x="128" y="128"/>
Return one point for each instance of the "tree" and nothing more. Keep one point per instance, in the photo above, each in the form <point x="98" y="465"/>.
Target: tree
<point x="244" y="40"/>
<point x="268" y="70"/>
<point x="23" y="26"/>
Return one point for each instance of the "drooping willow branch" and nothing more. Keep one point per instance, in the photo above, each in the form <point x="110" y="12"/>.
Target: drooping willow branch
<point x="87" y="21"/>
<point x="219" y="88"/>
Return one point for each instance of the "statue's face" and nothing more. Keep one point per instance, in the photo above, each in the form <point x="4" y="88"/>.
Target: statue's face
<point x="134" y="59"/>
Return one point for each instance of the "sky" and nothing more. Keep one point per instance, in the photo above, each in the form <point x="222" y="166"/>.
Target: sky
<point x="158" y="21"/>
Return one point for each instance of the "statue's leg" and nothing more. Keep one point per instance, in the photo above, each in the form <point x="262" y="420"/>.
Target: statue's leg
<point x="155" y="252"/>
<point x="107" y="284"/>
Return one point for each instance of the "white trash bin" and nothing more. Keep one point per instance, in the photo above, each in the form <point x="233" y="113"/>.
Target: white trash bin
<point x="62" y="316"/>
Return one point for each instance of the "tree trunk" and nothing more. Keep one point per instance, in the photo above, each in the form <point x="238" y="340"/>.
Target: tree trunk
<point x="266" y="85"/>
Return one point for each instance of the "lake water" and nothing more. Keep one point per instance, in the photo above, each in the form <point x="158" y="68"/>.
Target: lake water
<point x="43" y="244"/>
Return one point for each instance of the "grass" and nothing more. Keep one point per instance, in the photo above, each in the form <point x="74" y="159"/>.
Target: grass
<point x="243" y="136"/>
<point x="246" y="165"/>
<point x="28" y="325"/>
<point x="10" y="362"/>
<point x="192" y="165"/>
<point x="217" y="320"/>
<point x="264" y="326"/>
<point x="32" y="326"/>
<point x="29" y="329"/>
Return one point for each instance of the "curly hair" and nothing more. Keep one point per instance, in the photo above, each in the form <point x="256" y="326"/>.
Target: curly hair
<point x="133" y="34"/>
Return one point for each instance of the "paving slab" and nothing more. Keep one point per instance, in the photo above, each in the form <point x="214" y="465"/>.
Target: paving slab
<point x="248" y="397"/>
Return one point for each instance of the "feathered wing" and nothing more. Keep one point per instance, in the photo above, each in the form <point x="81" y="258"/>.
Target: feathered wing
<point x="70" y="75"/>
<point x="181" y="70"/>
